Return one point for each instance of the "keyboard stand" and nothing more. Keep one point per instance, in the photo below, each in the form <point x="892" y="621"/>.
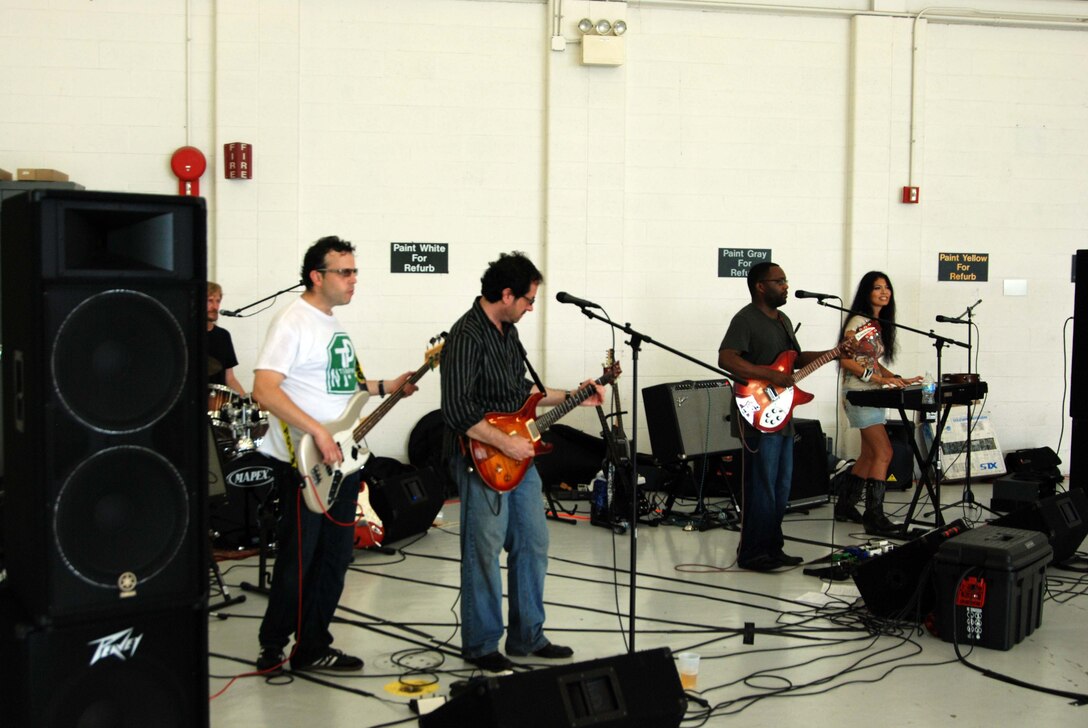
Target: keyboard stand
<point x="929" y="478"/>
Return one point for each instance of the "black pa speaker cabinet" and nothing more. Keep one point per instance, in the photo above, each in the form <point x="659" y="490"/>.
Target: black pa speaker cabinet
<point x="899" y="583"/>
<point x="1078" y="388"/>
<point x="639" y="689"/>
<point x="689" y="418"/>
<point x="811" y="484"/>
<point x="1063" y="518"/>
<point x="901" y="470"/>
<point x="133" y="671"/>
<point x="1078" y="454"/>
<point x="407" y="503"/>
<point x="104" y="373"/>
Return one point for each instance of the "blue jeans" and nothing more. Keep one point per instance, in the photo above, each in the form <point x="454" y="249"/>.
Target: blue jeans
<point x="768" y="473"/>
<point x="490" y="523"/>
<point x="327" y="551"/>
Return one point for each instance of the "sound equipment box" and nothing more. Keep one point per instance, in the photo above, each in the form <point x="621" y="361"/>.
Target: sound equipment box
<point x="899" y="583"/>
<point x="1063" y="518"/>
<point x="1041" y="461"/>
<point x="901" y="470"/>
<point x="689" y="418"/>
<point x="104" y="391"/>
<point x="406" y="502"/>
<point x="811" y="484"/>
<point x="128" y="671"/>
<point x="990" y="584"/>
<point x="639" y="689"/>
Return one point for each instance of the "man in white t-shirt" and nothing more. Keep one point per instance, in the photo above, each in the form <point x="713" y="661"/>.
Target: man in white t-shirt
<point x="306" y="374"/>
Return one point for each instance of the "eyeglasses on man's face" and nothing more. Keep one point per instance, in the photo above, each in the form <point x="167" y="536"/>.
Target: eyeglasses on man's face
<point x="776" y="281"/>
<point x="342" y="272"/>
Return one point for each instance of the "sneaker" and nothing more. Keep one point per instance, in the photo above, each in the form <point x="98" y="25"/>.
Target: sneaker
<point x="492" y="662"/>
<point x="553" y="652"/>
<point x="332" y="659"/>
<point x="270" y="661"/>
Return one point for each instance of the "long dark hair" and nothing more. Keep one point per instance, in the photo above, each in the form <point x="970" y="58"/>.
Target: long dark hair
<point x="862" y="303"/>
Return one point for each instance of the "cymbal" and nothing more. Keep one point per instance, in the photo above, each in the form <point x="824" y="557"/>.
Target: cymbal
<point x="214" y="366"/>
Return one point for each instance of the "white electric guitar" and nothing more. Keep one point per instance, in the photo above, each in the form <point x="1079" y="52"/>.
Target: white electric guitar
<point x="322" y="480"/>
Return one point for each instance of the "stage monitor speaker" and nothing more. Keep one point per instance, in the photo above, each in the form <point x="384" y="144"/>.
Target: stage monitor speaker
<point x="898" y="584"/>
<point x="407" y="503"/>
<point x="1078" y="388"/>
<point x="639" y="689"/>
<point x="133" y="671"/>
<point x="1063" y="518"/>
<point x="689" y="418"/>
<point x="104" y="390"/>
<point x="811" y="484"/>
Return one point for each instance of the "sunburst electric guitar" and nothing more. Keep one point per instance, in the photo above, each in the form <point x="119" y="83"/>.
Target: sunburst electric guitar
<point x="502" y="473"/>
<point x="322" y="480"/>
<point x="768" y="408"/>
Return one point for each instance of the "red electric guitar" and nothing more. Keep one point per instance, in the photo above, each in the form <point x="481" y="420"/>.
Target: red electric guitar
<point x="767" y="408"/>
<point x="502" y="473"/>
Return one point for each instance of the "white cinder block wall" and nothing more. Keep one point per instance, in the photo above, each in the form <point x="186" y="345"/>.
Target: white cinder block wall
<point x="451" y="121"/>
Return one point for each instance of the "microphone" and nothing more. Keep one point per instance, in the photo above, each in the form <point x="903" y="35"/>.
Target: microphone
<point x="233" y="314"/>
<point x="817" y="296"/>
<point x="949" y="320"/>
<point x="564" y="297"/>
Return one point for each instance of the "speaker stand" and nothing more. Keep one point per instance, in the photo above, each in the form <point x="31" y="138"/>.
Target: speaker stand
<point x="217" y="575"/>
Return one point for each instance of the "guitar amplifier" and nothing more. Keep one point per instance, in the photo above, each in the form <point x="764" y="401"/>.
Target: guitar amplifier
<point x="689" y="418"/>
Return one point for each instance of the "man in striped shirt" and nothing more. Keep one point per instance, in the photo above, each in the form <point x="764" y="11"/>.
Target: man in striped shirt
<point x="484" y="370"/>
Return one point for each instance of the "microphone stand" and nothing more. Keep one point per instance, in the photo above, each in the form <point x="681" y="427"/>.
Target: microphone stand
<point x="635" y="342"/>
<point x="933" y="487"/>
<point x="237" y="313"/>
<point x="968" y="495"/>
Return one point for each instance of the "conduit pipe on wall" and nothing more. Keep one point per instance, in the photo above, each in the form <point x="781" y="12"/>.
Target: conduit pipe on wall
<point x="962" y="15"/>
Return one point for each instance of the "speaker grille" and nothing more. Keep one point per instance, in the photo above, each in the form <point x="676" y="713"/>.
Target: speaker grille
<point x="123" y="510"/>
<point x="119" y="361"/>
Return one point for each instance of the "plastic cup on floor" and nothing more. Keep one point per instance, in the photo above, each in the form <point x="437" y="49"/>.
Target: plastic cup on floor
<point x="688" y="665"/>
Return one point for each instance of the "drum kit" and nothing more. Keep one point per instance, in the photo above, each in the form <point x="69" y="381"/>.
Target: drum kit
<point x="238" y="421"/>
<point x="240" y="479"/>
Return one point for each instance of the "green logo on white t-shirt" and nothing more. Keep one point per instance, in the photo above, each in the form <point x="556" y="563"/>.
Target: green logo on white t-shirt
<point x="340" y="377"/>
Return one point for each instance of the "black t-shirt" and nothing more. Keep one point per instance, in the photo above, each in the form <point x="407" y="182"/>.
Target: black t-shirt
<point x="221" y="349"/>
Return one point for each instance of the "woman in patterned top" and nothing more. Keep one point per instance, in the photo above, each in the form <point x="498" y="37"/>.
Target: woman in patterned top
<point x="875" y="335"/>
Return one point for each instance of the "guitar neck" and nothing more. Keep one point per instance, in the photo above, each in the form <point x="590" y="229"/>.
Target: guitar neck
<point x="368" y="422"/>
<point x="815" y="364"/>
<point x="549" y="418"/>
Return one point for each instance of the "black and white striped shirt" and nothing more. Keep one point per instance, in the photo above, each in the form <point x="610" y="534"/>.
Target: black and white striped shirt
<point x="482" y="371"/>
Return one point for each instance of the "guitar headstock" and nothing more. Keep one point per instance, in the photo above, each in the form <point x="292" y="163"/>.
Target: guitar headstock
<point x="434" y="354"/>
<point x="611" y="373"/>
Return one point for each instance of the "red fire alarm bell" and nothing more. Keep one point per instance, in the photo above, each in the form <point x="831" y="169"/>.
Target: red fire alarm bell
<point x="188" y="164"/>
<point x="238" y="160"/>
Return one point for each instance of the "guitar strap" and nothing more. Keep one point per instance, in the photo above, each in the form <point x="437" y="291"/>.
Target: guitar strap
<point x="536" y="378"/>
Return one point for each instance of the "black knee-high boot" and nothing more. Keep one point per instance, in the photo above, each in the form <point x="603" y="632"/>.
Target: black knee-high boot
<point x="874" y="520"/>
<point x="848" y="497"/>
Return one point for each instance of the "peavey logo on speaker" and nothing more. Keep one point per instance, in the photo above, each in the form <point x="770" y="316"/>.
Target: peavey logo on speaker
<point x="121" y="645"/>
<point x="250" y="476"/>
